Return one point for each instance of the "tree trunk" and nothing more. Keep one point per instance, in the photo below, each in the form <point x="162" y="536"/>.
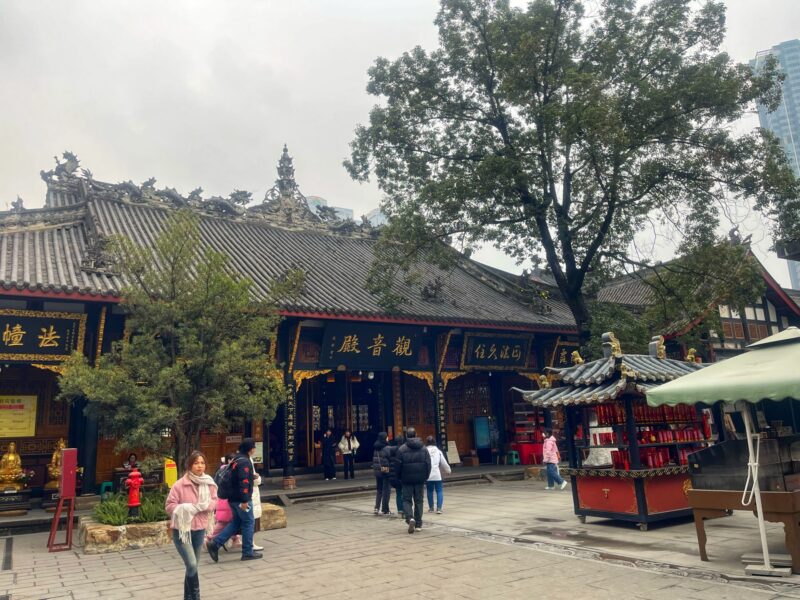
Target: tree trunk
<point x="580" y="312"/>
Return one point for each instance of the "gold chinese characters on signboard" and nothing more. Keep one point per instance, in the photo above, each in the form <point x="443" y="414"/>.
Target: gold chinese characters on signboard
<point x="40" y="336"/>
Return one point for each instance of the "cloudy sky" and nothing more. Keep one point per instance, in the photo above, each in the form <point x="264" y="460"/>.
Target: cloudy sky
<point x="205" y="93"/>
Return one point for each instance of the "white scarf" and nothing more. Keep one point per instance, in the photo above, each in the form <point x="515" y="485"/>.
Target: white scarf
<point x="184" y="513"/>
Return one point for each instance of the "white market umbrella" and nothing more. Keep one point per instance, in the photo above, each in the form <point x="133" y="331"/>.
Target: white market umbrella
<point x="768" y="371"/>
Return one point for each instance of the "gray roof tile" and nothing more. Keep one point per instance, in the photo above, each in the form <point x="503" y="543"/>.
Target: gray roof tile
<point x="35" y="253"/>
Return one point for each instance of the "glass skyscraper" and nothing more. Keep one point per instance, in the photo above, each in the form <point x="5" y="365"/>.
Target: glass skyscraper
<point x="785" y="121"/>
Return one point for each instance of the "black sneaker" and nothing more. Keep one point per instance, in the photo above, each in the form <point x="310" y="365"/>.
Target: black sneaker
<point x="418" y="527"/>
<point x="253" y="556"/>
<point x="213" y="551"/>
<point x="377" y="512"/>
<point x="411" y="525"/>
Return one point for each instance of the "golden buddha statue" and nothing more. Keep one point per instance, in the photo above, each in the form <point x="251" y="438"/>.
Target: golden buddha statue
<point x="54" y="468"/>
<point x="11" y="468"/>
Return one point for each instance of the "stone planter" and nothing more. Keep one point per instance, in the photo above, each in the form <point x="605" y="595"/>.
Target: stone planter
<point x="97" y="538"/>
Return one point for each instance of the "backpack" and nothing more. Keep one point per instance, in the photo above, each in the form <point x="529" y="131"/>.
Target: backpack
<point x="225" y="480"/>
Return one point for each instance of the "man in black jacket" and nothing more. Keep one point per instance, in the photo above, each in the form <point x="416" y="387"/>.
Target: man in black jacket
<point x="413" y="469"/>
<point x="390" y="453"/>
<point x="240" y="499"/>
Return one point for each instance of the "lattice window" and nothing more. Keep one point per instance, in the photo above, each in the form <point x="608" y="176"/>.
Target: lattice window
<point x="57" y="415"/>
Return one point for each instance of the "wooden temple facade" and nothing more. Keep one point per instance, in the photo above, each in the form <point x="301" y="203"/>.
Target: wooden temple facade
<point x="450" y="354"/>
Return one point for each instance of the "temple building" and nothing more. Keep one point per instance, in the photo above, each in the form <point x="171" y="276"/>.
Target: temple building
<point x="444" y="362"/>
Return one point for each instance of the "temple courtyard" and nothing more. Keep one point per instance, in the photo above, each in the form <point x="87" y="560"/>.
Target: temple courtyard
<point x="494" y="540"/>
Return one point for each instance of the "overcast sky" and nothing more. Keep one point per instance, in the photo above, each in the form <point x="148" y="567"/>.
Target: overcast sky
<point x="205" y="93"/>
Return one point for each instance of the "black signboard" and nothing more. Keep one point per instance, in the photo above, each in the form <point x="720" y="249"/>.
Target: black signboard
<point x="495" y="351"/>
<point x="562" y="354"/>
<point x="367" y="346"/>
<point x="37" y="336"/>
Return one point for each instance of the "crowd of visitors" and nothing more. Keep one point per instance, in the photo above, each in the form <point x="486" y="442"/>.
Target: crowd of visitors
<point x="220" y="512"/>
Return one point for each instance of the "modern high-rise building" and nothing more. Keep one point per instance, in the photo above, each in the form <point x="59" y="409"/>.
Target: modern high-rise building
<point x="377" y="218"/>
<point x="785" y="121"/>
<point x="316" y="201"/>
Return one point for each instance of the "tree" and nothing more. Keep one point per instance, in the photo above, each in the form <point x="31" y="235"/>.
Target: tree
<point x="682" y="298"/>
<point x="196" y="356"/>
<point x="548" y="132"/>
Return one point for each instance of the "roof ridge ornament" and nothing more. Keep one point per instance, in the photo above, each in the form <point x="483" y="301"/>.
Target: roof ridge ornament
<point x="284" y="202"/>
<point x="611" y="345"/>
<point x="657" y="348"/>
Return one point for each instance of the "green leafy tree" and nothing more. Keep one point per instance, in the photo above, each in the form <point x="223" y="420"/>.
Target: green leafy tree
<point x="682" y="298"/>
<point x="551" y="133"/>
<point x="196" y="357"/>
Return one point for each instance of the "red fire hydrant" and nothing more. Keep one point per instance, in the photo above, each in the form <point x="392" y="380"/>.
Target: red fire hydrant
<point x="133" y="483"/>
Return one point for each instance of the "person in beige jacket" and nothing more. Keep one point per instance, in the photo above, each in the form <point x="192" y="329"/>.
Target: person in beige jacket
<point x="348" y="446"/>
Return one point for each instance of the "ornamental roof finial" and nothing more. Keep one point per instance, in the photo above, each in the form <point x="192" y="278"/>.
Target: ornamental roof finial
<point x="285" y="182"/>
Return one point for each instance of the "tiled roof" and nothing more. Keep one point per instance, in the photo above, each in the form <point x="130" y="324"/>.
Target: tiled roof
<point x="56" y="249"/>
<point x="606" y="378"/>
<point x="336" y="268"/>
<point x="569" y="394"/>
<point x="50" y="259"/>
<point x="629" y="290"/>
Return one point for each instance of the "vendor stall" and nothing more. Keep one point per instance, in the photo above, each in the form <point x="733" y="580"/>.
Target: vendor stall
<point x="627" y="461"/>
<point x="768" y="371"/>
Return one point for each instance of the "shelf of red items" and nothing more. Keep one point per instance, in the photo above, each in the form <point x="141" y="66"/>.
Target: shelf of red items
<point x="650" y="448"/>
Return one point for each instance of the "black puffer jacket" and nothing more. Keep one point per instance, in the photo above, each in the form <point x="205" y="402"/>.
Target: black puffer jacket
<point x="380" y="463"/>
<point x="390" y="455"/>
<point x="413" y="462"/>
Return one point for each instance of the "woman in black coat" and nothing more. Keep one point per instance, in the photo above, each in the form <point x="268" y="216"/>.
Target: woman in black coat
<point x="329" y="448"/>
<point x="380" y="466"/>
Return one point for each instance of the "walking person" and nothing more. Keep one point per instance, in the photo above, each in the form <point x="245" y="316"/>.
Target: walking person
<point x="390" y="454"/>
<point x="190" y="506"/>
<point x="256" y="501"/>
<point x="551" y="457"/>
<point x="348" y="446"/>
<point x="380" y="467"/>
<point x="223" y="514"/>
<point x="237" y="488"/>
<point x="439" y="465"/>
<point x="413" y="470"/>
<point x="329" y="450"/>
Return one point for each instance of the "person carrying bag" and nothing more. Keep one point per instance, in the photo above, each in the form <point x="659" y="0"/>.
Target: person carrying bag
<point x="439" y="465"/>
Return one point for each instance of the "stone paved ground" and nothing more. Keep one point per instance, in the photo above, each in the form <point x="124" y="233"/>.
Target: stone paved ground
<point x="335" y="550"/>
<point x="525" y="512"/>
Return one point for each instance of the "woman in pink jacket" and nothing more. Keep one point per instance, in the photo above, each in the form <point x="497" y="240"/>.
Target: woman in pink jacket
<point x="190" y="505"/>
<point x="551" y="457"/>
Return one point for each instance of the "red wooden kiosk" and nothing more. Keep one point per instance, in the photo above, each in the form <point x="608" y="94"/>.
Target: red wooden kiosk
<point x="646" y="478"/>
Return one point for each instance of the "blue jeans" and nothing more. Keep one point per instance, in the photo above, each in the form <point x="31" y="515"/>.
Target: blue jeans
<point x="243" y="521"/>
<point x="552" y="475"/>
<point x="398" y="497"/>
<point x="435" y="485"/>
<point x="188" y="553"/>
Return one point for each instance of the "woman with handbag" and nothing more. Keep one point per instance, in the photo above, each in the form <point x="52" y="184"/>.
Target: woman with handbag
<point x="190" y="506"/>
<point x="551" y="457"/>
<point x="439" y="465"/>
